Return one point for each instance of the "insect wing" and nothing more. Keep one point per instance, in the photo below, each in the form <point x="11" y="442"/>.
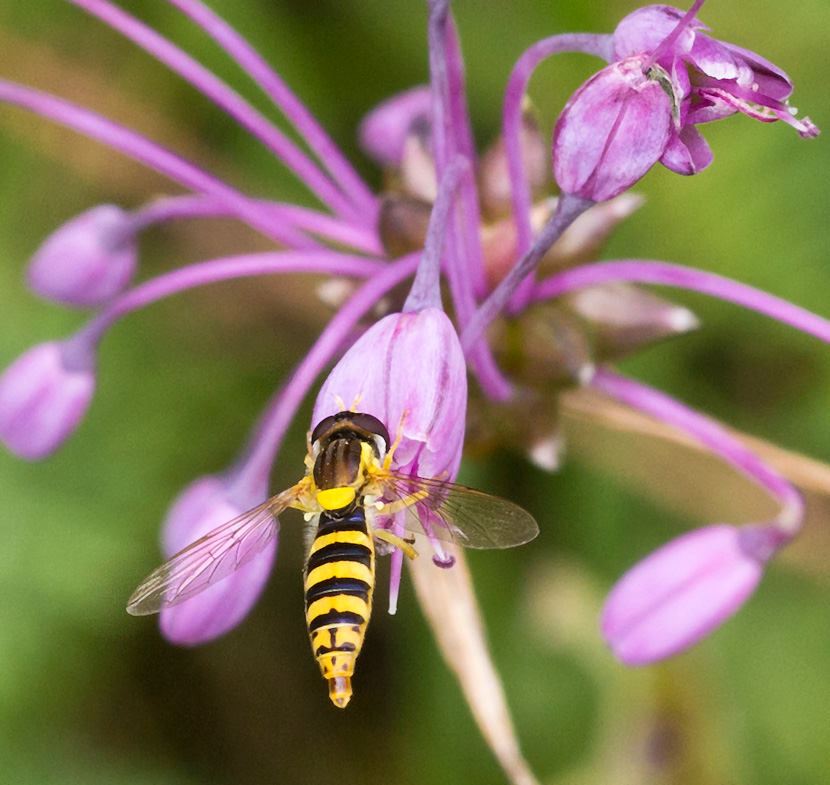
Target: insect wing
<point x="211" y="558"/>
<point x="458" y="514"/>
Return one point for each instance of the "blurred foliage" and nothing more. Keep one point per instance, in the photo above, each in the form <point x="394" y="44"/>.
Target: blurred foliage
<point x="90" y="695"/>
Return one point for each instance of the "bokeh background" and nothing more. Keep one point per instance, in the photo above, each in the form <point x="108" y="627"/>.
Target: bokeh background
<point x="91" y="695"/>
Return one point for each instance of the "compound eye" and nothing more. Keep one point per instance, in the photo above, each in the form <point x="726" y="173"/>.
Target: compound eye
<point x="323" y="427"/>
<point x="372" y="424"/>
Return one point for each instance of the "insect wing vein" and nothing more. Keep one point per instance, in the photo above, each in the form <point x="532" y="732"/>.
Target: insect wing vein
<point x="211" y="558"/>
<point x="459" y="514"/>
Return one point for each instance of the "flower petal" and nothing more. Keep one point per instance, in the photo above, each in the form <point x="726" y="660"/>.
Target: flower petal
<point x="687" y="152"/>
<point x="407" y="363"/>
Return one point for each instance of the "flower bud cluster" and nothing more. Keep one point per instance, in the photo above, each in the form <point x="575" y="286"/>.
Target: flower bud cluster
<point x="512" y="251"/>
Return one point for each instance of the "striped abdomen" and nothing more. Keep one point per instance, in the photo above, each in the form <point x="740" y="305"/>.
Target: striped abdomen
<point x="339" y="579"/>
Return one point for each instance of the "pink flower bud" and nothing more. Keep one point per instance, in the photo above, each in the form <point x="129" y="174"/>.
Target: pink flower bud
<point x="86" y="261"/>
<point x="384" y="131"/>
<point x="201" y="508"/>
<point x="612" y="131"/>
<point x="407" y="363"/>
<point x="685" y="590"/>
<point x="43" y="397"/>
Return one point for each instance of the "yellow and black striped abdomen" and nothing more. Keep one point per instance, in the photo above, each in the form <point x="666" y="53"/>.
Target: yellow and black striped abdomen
<point x="339" y="580"/>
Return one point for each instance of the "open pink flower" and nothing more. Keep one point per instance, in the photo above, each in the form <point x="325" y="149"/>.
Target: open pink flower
<point x="667" y="78"/>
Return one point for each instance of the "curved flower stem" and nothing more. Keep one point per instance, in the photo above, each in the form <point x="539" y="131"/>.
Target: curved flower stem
<point x="471" y="262"/>
<point x="439" y="83"/>
<point x="276" y="89"/>
<point x="568" y="209"/>
<point x="665" y="274"/>
<point x="254" y="467"/>
<point x="588" y="43"/>
<point x="713" y="436"/>
<point x="152" y="155"/>
<point x="228" y="268"/>
<point x="426" y="288"/>
<point x="445" y="145"/>
<point x="173" y="208"/>
<point x="226" y="99"/>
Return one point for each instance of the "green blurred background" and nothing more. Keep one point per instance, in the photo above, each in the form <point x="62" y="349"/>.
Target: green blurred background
<point x="91" y="695"/>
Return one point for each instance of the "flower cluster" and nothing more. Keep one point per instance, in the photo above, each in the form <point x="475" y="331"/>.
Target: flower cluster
<point x="514" y="255"/>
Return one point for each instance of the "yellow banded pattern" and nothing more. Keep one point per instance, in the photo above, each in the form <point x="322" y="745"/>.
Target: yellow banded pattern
<point x="339" y="580"/>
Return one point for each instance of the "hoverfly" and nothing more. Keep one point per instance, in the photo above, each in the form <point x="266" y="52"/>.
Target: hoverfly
<point x="354" y="503"/>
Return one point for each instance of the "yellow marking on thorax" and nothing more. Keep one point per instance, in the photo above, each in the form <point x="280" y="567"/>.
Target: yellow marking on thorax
<point x="336" y="498"/>
<point x="340" y="569"/>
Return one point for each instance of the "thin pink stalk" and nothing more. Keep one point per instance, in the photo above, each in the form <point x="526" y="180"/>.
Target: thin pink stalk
<point x="673" y="36"/>
<point x="227" y="268"/>
<point x="226" y="99"/>
<point x="426" y="288"/>
<point x="154" y="156"/>
<point x="445" y="145"/>
<point x="599" y="45"/>
<point x="665" y="274"/>
<point x="568" y="209"/>
<point x="276" y="89"/>
<point x="471" y="263"/>
<point x="712" y="435"/>
<point x="320" y="224"/>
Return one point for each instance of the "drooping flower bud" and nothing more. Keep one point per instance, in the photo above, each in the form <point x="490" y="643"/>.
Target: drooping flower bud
<point x="44" y="394"/>
<point x="88" y="260"/>
<point x="204" y="506"/>
<point x="685" y="590"/>
<point x="611" y="132"/>
<point x="384" y="131"/>
<point x="412" y="364"/>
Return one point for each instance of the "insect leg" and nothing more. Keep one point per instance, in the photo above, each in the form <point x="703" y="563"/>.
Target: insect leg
<point x="390" y="508"/>
<point x="398" y="542"/>
<point x="387" y="461"/>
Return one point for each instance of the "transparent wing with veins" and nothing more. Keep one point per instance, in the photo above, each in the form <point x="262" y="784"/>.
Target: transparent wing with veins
<point x="454" y="513"/>
<point x="211" y="558"/>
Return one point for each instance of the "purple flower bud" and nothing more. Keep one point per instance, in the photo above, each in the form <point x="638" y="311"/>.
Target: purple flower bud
<point x="612" y="131"/>
<point x="407" y="363"/>
<point x="685" y="590"/>
<point x="201" y="508"/>
<point x="44" y="394"/>
<point x="384" y="131"/>
<point x="86" y="261"/>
